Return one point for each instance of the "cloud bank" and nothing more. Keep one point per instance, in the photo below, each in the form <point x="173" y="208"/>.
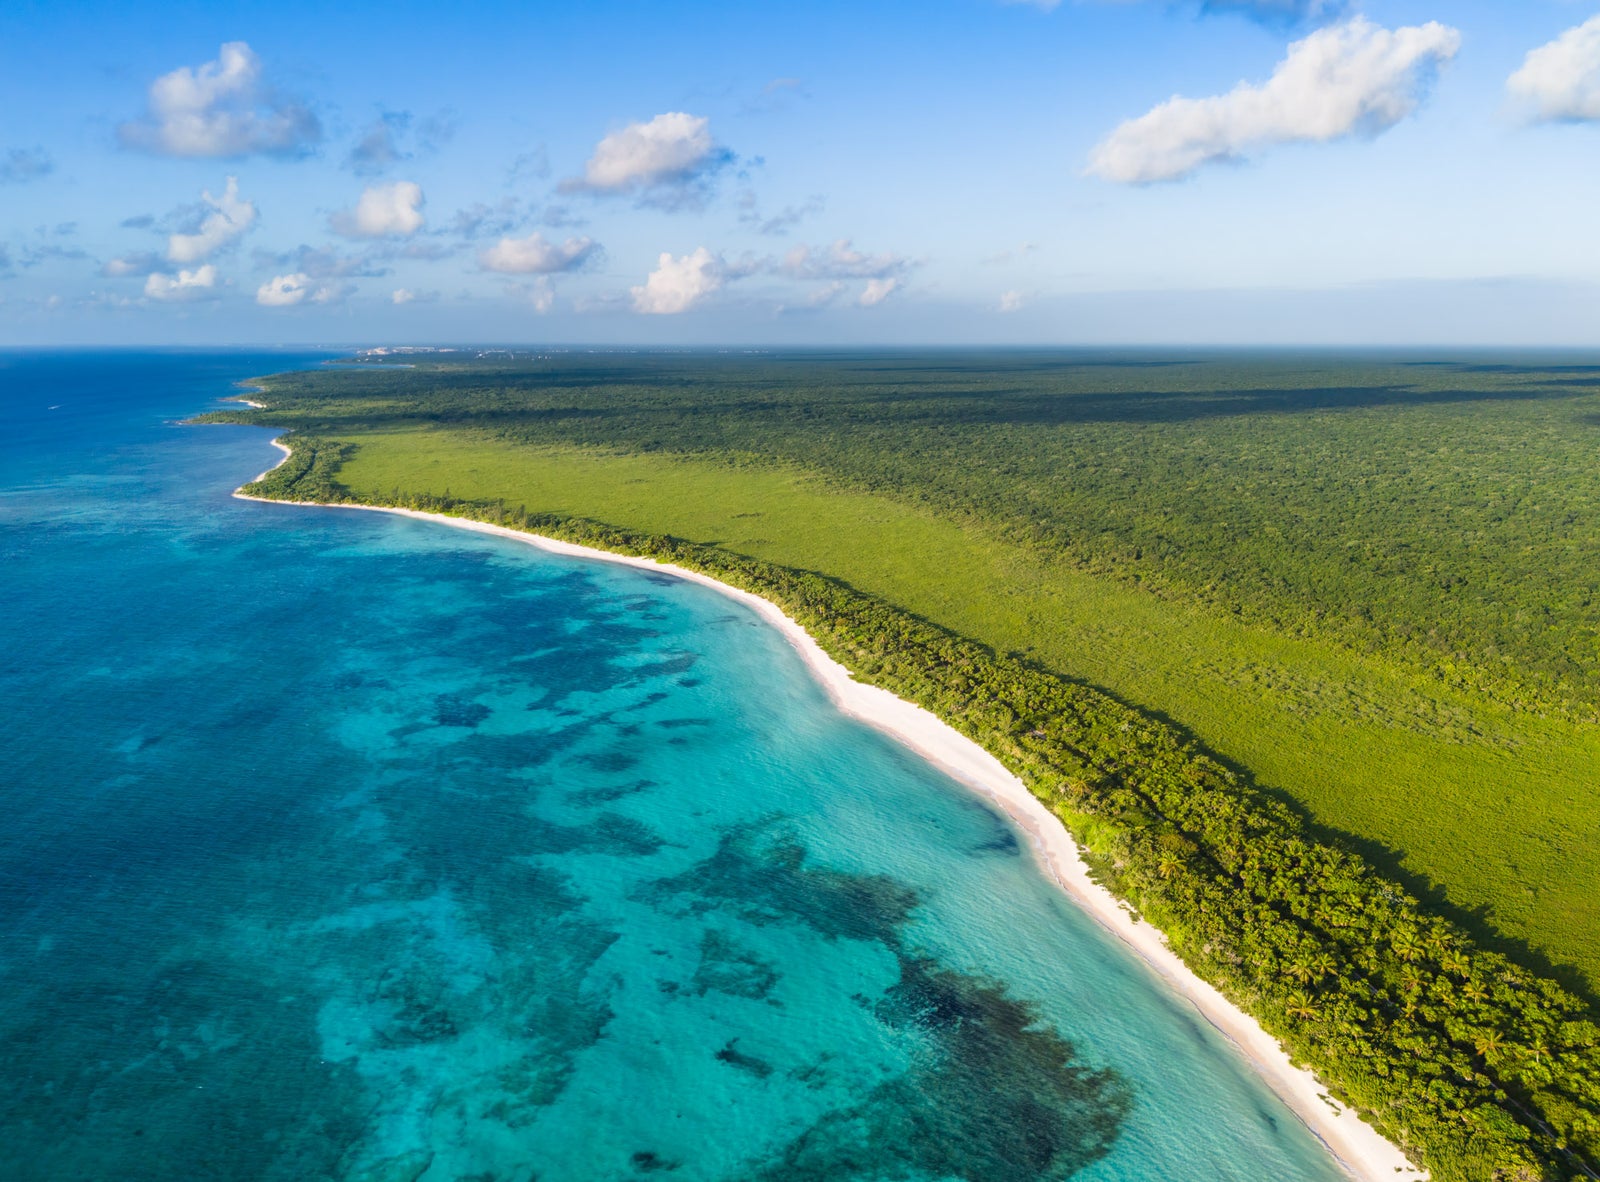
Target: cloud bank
<point x="1351" y="79"/>
<point x="1561" y="81"/>
<point x="222" y="108"/>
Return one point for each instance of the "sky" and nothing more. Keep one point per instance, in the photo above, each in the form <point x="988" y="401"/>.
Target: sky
<point x="1271" y="172"/>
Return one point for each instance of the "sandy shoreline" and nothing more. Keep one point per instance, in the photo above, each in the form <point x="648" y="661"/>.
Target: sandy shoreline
<point x="254" y="388"/>
<point x="1353" y="1143"/>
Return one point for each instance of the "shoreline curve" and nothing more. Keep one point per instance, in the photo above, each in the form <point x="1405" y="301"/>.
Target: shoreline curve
<point x="1359" y="1149"/>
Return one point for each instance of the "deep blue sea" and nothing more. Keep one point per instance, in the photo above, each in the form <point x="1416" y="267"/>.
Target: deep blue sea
<point x="341" y="846"/>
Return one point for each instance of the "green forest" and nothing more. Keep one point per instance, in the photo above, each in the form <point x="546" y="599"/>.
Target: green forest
<point x="1305" y="649"/>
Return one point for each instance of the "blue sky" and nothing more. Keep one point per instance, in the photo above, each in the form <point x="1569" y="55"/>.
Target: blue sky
<point x="1227" y="171"/>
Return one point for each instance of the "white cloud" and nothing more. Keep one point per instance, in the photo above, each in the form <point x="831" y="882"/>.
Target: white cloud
<point x="1561" y="80"/>
<point x="229" y="218"/>
<point x="671" y="151"/>
<point x="131" y="266"/>
<point x="677" y="284"/>
<point x="1351" y="79"/>
<point x="842" y="260"/>
<point x="221" y="109"/>
<point x="876" y="291"/>
<point x="540" y="294"/>
<point x="826" y="294"/>
<point x="403" y="295"/>
<point x="384" y="211"/>
<point x="535" y="255"/>
<point x="185" y="285"/>
<point x="285" y="291"/>
<point x="1011" y="301"/>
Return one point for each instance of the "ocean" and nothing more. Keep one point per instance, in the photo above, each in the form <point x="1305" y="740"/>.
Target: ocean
<point x="344" y="846"/>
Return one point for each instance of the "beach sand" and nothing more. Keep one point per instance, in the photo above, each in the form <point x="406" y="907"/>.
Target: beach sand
<point x="1363" y="1153"/>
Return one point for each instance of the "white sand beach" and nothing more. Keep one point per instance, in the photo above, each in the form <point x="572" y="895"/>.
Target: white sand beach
<point x="1363" y="1153"/>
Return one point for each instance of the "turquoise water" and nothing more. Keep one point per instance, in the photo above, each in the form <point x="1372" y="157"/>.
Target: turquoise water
<point x="350" y="847"/>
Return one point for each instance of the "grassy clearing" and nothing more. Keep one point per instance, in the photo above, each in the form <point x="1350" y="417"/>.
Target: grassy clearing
<point x="1493" y="806"/>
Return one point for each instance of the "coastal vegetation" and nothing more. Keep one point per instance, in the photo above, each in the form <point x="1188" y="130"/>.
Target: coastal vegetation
<point x="1379" y="577"/>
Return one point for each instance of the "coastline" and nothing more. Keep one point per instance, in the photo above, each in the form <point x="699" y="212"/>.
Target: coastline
<point x="1358" y="1148"/>
<point x="254" y="388"/>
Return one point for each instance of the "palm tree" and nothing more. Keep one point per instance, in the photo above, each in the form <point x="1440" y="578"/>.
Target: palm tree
<point x="1538" y="1050"/>
<point x="1323" y="964"/>
<point x="1406" y="945"/>
<point x="1301" y="1005"/>
<point x="1490" y="1045"/>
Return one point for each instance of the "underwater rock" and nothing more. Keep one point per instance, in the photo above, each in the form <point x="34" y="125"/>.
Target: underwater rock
<point x="458" y="710"/>
<point x="727" y="966"/>
<point x="759" y="873"/>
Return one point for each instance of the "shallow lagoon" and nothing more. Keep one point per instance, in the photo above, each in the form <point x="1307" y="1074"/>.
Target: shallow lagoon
<point x="341" y="846"/>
